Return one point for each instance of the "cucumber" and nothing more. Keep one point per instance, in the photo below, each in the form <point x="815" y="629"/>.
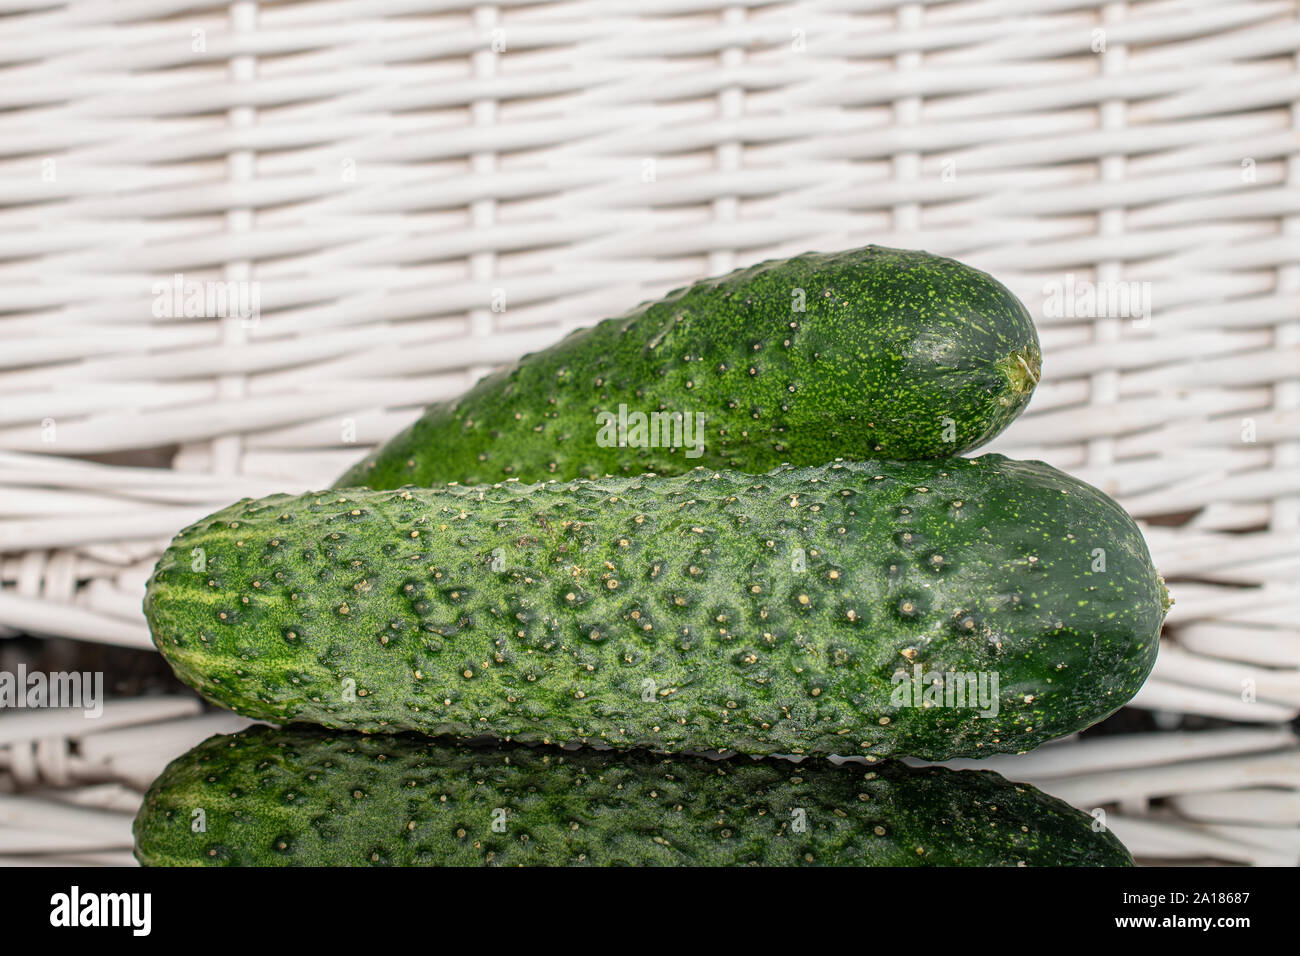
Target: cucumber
<point x="808" y="610"/>
<point x="869" y="353"/>
<point x="302" y="797"/>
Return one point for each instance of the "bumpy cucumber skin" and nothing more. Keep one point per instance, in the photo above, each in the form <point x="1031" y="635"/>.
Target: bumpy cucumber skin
<point x="674" y="613"/>
<point x="301" y="797"/>
<point x="899" y="354"/>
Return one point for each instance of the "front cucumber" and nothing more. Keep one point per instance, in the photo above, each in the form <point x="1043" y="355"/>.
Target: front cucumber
<point x="868" y="353"/>
<point x="943" y="608"/>
<point x="302" y="797"/>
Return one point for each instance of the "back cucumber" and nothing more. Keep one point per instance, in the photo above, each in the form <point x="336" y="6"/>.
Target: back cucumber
<point x="306" y="798"/>
<point x="943" y="608"/>
<point x="867" y="353"/>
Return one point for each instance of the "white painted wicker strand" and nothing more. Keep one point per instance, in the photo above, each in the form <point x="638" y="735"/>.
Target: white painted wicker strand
<point x="386" y="171"/>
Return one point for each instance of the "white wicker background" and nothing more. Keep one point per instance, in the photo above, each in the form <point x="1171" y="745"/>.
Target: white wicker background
<point x="390" y="171"/>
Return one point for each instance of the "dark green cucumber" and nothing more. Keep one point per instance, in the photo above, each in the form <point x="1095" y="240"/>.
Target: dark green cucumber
<point x="775" y="613"/>
<point x="303" y="797"/>
<point x="869" y="353"/>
